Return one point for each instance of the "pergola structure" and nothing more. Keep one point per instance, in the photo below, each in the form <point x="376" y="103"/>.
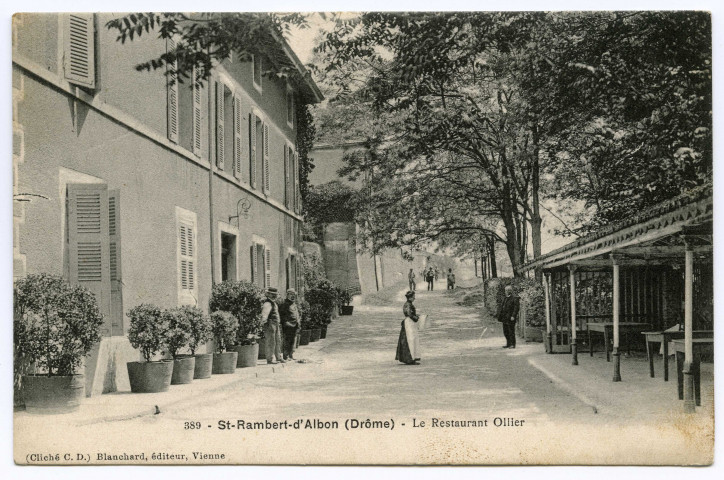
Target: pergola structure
<point x="644" y="273"/>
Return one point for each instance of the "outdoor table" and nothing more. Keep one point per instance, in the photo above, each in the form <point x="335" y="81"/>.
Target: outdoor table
<point x="607" y="329"/>
<point x="699" y="345"/>
<point x="665" y="337"/>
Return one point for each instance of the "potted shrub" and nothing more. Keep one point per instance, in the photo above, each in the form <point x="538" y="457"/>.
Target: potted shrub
<point x="224" y="326"/>
<point x="243" y="300"/>
<point x="199" y="333"/>
<point x="55" y="326"/>
<point x="305" y="321"/>
<point x="323" y="302"/>
<point x="178" y="337"/>
<point x="317" y="314"/>
<point x="147" y="333"/>
<point x="345" y="299"/>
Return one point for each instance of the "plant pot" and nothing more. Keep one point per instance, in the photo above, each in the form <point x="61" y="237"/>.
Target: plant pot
<point x="203" y="365"/>
<point x="323" y="334"/>
<point x="183" y="370"/>
<point x="224" y="363"/>
<point x="262" y="349"/>
<point x="59" y="394"/>
<point x="304" y="336"/>
<point x="247" y="355"/>
<point x="316" y="333"/>
<point x="150" y="377"/>
<point x="346" y="309"/>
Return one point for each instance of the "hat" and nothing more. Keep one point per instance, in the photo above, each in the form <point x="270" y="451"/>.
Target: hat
<point x="409" y="294"/>
<point x="291" y="291"/>
<point x="272" y="290"/>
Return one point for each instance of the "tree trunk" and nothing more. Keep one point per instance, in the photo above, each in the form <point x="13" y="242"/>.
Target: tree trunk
<point x="536" y="221"/>
<point x="493" y="266"/>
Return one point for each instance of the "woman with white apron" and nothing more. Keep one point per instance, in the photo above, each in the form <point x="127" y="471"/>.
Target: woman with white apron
<point x="408" y="345"/>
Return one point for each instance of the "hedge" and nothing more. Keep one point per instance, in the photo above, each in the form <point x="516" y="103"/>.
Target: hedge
<point x="528" y="290"/>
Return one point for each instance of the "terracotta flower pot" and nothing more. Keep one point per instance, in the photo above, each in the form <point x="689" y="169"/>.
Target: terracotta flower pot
<point x="247" y="355"/>
<point x="316" y="333"/>
<point x="203" y="365"/>
<point x="224" y="362"/>
<point x="346" y="309"/>
<point x="59" y="394"/>
<point x="183" y="370"/>
<point x="323" y="334"/>
<point x="150" y="377"/>
<point x="304" y="336"/>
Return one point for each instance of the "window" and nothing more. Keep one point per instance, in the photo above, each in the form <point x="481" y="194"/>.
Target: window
<point x="290" y="107"/>
<point x="79" y="63"/>
<point x="228" y="257"/>
<point x="260" y="264"/>
<point x="256" y="70"/>
<point x="258" y="144"/>
<point x="186" y="255"/>
<point x="289" y="177"/>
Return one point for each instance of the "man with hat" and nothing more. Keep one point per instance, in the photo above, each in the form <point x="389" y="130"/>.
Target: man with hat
<point x="272" y="330"/>
<point x="291" y="323"/>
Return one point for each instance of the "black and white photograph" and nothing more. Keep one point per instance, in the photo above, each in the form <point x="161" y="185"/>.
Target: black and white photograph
<point x="472" y="237"/>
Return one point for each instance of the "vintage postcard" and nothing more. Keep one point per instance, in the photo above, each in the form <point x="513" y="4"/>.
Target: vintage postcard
<point x="375" y="238"/>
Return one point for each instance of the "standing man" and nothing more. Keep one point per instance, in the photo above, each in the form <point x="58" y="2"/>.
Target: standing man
<point x="430" y="277"/>
<point x="508" y="315"/>
<point x="272" y="330"/>
<point x="450" y="279"/>
<point x="291" y="324"/>
<point x="411" y="279"/>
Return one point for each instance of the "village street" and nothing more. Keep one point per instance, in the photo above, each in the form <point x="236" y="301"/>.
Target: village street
<point x="520" y="400"/>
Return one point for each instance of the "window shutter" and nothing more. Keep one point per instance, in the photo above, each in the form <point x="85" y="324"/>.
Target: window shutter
<point x="266" y="158"/>
<point x="172" y="94"/>
<point x="237" y="136"/>
<point x="287" y="176"/>
<point x="267" y="267"/>
<point x="295" y="184"/>
<point x="254" y="275"/>
<point x="88" y="243"/>
<point x="252" y="150"/>
<point x="288" y="272"/>
<point x="197" y="115"/>
<point x="79" y="54"/>
<point x="187" y="258"/>
<point x="300" y="275"/>
<point x="114" y="234"/>
<point x="220" y="125"/>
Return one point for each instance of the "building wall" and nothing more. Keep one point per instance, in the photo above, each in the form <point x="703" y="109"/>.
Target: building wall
<point x="117" y="135"/>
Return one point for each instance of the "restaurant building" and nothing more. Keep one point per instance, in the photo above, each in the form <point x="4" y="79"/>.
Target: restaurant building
<point x="146" y="191"/>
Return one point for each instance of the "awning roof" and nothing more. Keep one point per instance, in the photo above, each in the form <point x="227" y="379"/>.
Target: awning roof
<point x="654" y="233"/>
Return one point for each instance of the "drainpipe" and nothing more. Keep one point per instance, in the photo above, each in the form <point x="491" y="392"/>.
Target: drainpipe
<point x="211" y="182"/>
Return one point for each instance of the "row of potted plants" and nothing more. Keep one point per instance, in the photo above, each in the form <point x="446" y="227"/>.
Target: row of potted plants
<point x="56" y="325"/>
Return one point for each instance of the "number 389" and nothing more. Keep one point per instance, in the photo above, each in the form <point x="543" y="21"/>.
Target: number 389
<point x="192" y="425"/>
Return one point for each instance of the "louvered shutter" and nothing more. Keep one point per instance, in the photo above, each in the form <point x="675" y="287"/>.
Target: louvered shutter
<point x="252" y="150"/>
<point x="287" y="176"/>
<point x="172" y="94"/>
<point x="79" y="55"/>
<point x="267" y="267"/>
<point x="295" y="185"/>
<point x="114" y="235"/>
<point x="196" y="143"/>
<point x="254" y="274"/>
<point x="300" y="275"/>
<point x="88" y="244"/>
<point x="237" y="136"/>
<point x="266" y="159"/>
<point x="220" y="125"/>
<point x="288" y="272"/>
<point x="187" y="247"/>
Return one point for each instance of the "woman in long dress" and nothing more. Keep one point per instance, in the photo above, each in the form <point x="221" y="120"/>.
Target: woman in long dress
<point x="408" y="346"/>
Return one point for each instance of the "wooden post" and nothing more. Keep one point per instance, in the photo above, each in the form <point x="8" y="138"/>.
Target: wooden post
<point x="689" y="404"/>
<point x="616" y="315"/>
<point x="476" y="266"/>
<point x="547" y="290"/>
<point x="574" y="346"/>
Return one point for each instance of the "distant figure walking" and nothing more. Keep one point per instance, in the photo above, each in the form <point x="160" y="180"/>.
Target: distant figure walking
<point x="450" y="279"/>
<point x="408" y="345"/>
<point x="508" y="315"/>
<point x="411" y="280"/>
<point x="430" y="278"/>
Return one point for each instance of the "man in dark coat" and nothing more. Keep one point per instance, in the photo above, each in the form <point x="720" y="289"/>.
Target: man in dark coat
<point x="508" y="315"/>
<point x="290" y="321"/>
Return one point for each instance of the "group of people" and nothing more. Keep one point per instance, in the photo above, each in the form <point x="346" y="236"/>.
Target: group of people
<point x="281" y="324"/>
<point x="430" y="275"/>
<point x="408" y="343"/>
